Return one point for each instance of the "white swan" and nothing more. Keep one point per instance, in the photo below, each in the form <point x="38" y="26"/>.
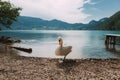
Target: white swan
<point x="62" y="51"/>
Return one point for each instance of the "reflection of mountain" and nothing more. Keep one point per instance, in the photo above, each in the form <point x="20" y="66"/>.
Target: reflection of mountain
<point x="29" y="23"/>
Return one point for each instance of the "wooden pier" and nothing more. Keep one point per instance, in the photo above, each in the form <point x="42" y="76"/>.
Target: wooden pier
<point x="110" y="40"/>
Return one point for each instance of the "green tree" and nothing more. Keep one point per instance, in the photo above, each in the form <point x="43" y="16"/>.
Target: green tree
<point x="8" y="14"/>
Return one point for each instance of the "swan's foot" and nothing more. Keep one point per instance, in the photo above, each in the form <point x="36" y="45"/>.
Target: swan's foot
<point x="60" y="61"/>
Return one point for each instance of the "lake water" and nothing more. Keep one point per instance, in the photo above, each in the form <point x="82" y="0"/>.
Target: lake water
<point x="86" y="44"/>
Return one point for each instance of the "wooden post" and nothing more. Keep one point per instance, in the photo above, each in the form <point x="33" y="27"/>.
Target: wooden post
<point x="114" y="41"/>
<point x="110" y="40"/>
<point x="107" y="42"/>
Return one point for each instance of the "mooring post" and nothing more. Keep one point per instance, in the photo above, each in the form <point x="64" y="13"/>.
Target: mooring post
<point x="107" y="41"/>
<point x="114" y="41"/>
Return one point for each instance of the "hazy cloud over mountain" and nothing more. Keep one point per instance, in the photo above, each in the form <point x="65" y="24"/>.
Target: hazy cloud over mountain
<point x="65" y="10"/>
<point x="72" y="11"/>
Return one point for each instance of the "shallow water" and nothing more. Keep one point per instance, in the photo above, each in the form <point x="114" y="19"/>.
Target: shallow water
<point x="86" y="44"/>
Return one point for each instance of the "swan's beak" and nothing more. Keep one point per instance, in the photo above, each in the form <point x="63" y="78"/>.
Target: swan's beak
<point x="60" y="41"/>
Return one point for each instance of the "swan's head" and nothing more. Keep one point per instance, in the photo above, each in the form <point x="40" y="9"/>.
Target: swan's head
<point x="60" y="41"/>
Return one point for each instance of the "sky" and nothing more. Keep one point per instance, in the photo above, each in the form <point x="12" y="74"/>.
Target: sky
<point x="71" y="11"/>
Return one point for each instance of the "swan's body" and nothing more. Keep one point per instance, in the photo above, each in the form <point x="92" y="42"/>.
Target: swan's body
<point x="62" y="51"/>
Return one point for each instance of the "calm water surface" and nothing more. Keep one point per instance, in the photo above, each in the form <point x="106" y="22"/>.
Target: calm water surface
<point x="86" y="44"/>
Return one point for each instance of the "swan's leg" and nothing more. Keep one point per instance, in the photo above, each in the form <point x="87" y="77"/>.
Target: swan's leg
<point x="64" y="58"/>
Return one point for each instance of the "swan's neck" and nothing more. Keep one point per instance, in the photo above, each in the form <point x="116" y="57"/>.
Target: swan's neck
<point x="61" y="45"/>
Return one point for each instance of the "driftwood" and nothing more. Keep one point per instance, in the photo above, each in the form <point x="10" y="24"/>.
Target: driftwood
<point x="29" y="50"/>
<point x="8" y="41"/>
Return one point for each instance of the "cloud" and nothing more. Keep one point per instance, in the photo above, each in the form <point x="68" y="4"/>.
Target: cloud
<point x="71" y="11"/>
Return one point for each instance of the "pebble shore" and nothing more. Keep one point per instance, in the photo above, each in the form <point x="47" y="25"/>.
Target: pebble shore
<point x="15" y="67"/>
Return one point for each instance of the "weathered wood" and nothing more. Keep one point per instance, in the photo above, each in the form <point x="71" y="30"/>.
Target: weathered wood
<point x="117" y="35"/>
<point x="110" y="40"/>
<point x="29" y="50"/>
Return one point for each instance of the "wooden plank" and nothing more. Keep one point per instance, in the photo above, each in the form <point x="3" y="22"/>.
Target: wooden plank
<point x="117" y="35"/>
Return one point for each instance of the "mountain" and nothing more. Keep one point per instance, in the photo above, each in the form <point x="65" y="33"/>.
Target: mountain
<point x="112" y="23"/>
<point x="29" y="23"/>
<point x="93" y="25"/>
